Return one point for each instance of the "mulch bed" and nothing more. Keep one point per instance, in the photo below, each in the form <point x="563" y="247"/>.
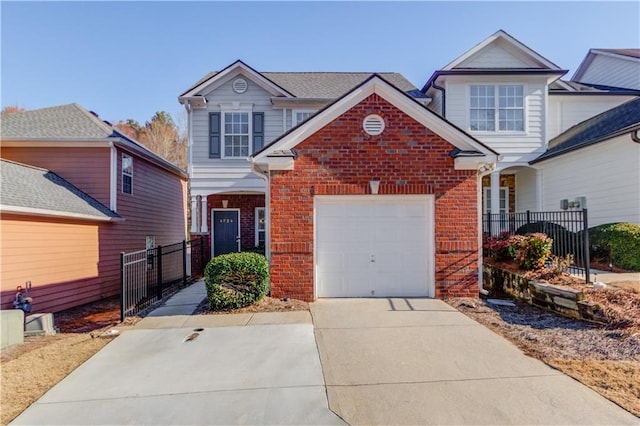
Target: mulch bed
<point x="268" y="304"/>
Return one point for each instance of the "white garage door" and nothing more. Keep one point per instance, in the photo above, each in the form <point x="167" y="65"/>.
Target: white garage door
<point x="374" y="246"/>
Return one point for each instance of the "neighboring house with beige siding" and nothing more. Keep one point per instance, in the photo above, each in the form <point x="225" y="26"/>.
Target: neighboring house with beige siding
<point x="73" y="258"/>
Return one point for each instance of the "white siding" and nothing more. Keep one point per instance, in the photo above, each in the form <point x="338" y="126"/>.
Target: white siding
<point x="611" y="71"/>
<point x="498" y="55"/>
<point x="514" y="146"/>
<point x="436" y="102"/>
<point x="607" y="173"/>
<point x="566" y="110"/>
<point x="526" y="190"/>
<point x="218" y="175"/>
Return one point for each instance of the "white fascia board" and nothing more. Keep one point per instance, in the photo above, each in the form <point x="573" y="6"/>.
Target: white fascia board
<point x="280" y="163"/>
<point x="53" y="213"/>
<point x="113" y="179"/>
<point x="414" y="110"/>
<point x="506" y="37"/>
<point x="238" y="68"/>
<point x="473" y="163"/>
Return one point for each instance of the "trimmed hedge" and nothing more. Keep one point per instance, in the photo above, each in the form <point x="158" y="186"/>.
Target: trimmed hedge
<point x="616" y="243"/>
<point x="236" y="280"/>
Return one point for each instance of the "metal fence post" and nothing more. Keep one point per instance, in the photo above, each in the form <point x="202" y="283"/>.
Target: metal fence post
<point x="489" y="226"/>
<point x="202" y="256"/>
<point x="528" y="217"/>
<point x="159" y="282"/>
<point x="184" y="262"/>
<point x="585" y="245"/>
<point x="122" y="287"/>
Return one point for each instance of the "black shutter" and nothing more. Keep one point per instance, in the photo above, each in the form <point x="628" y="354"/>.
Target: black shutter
<point x="258" y="131"/>
<point x="214" y="135"/>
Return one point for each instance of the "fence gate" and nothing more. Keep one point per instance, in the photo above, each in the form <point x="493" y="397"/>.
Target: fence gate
<point x="569" y="230"/>
<point x="147" y="276"/>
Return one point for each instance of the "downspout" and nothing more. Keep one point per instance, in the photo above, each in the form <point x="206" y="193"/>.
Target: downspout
<point x="267" y="209"/>
<point x="444" y="97"/>
<point x="635" y="137"/>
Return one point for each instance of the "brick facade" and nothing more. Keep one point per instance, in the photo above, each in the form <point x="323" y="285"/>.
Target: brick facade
<point x="340" y="159"/>
<point x="247" y="205"/>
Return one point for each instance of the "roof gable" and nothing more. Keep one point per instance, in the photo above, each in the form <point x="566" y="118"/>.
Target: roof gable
<point x="396" y="97"/>
<point x="500" y="50"/>
<point x="33" y="190"/>
<point x="621" y="119"/>
<point x="631" y="55"/>
<point x="214" y="79"/>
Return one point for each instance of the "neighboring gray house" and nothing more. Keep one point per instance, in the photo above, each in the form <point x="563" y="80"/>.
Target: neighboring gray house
<point x="233" y="113"/>
<point x="610" y="69"/>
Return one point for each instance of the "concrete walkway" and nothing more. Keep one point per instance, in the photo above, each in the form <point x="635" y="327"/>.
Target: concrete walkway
<point x="609" y="277"/>
<point x="419" y="361"/>
<point x="177" y="369"/>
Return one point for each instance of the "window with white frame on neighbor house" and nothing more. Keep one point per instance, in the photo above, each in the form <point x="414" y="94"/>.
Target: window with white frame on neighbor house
<point x="260" y="226"/>
<point x="127" y="174"/>
<point x="504" y="200"/>
<point x="236" y="134"/>
<point x="507" y="114"/>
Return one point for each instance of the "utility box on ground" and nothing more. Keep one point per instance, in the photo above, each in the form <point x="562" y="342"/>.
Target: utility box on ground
<point x="37" y="324"/>
<point x="11" y="327"/>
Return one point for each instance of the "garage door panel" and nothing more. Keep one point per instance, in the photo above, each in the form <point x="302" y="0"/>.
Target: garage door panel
<point x="370" y="245"/>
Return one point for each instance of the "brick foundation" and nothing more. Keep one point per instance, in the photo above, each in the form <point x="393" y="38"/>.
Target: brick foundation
<point x="340" y="159"/>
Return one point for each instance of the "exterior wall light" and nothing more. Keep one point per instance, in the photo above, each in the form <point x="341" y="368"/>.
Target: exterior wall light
<point x="374" y="185"/>
<point x="225" y="203"/>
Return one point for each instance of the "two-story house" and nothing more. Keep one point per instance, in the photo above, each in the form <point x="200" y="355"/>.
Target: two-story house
<point x="233" y="113"/>
<point x="513" y="99"/>
<point x="75" y="194"/>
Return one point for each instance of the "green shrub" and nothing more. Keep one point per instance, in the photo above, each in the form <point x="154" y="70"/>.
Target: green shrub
<point x="497" y="247"/>
<point x="530" y="251"/>
<point x="616" y="243"/>
<point x="236" y="280"/>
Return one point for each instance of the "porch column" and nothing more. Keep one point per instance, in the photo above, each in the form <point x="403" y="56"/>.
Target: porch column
<point x="495" y="202"/>
<point x="204" y="215"/>
<point x="194" y="215"/>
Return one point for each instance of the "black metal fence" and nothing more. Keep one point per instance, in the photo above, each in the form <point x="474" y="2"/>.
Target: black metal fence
<point x="147" y="276"/>
<point x="569" y="230"/>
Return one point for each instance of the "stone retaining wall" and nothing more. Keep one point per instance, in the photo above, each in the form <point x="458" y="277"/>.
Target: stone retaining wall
<point x="564" y="301"/>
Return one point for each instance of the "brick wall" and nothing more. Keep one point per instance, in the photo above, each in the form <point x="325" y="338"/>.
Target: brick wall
<point x="340" y="159"/>
<point x="247" y="205"/>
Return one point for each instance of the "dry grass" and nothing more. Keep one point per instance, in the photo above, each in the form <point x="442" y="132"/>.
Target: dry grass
<point x="607" y="359"/>
<point x="30" y="370"/>
<point x="632" y="286"/>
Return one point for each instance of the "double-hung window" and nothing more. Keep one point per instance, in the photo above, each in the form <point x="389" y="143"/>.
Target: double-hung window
<point x="488" y="114"/>
<point x="236" y="134"/>
<point x="504" y="200"/>
<point x="127" y="174"/>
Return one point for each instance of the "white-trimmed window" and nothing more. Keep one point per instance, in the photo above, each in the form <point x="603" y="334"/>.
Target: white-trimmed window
<point x="260" y="226"/>
<point x="299" y="115"/>
<point x="127" y="174"/>
<point x="236" y="134"/>
<point x="505" y="115"/>
<point x="504" y="200"/>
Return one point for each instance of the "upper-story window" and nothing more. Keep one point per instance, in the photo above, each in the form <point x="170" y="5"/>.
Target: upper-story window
<point x="300" y="115"/>
<point x="127" y="174"/>
<point x="507" y="114"/>
<point x="235" y="134"/>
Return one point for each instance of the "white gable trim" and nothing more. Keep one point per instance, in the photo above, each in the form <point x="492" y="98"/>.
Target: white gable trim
<point x="500" y="34"/>
<point x="236" y="68"/>
<point x="392" y="95"/>
<point x="586" y="62"/>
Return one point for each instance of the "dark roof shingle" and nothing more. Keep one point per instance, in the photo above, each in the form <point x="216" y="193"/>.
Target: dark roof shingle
<point x="29" y="187"/>
<point x="596" y="129"/>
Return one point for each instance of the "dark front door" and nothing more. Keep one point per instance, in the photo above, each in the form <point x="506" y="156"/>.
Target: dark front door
<point x="226" y="232"/>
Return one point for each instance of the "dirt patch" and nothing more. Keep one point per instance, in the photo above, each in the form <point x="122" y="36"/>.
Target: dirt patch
<point x="607" y="359"/>
<point x="268" y="304"/>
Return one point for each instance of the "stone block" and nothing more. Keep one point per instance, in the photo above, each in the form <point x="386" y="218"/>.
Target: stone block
<point x="37" y="324"/>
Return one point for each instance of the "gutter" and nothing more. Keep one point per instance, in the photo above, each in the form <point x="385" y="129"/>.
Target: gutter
<point x="444" y="97"/>
<point x="635" y="137"/>
<point x="54" y="213"/>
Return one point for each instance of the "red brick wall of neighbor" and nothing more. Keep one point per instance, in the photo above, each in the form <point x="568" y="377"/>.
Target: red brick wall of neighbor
<point x="156" y="207"/>
<point x="340" y="159"/>
<point x="247" y="205"/>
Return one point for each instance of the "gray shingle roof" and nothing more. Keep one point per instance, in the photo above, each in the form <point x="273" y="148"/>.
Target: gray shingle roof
<point x="325" y="85"/>
<point x="596" y="129"/>
<point x="31" y="187"/>
<point x="330" y="85"/>
<point x="58" y="122"/>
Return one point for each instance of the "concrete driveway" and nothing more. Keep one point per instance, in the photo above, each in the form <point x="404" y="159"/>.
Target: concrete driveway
<point x="419" y="361"/>
<point x="229" y="374"/>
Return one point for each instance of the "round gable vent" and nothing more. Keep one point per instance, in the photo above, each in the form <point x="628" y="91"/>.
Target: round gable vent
<point x="373" y="124"/>
<point x="239" y="85"/>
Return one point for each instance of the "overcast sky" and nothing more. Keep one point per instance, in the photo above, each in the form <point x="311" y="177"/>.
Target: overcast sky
<point x="131" y="59"/>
